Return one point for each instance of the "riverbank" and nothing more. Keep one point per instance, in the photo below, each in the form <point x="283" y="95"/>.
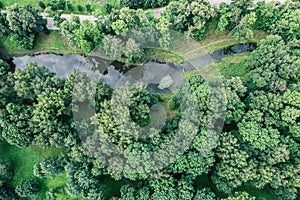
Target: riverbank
<point x="56" y="43"/>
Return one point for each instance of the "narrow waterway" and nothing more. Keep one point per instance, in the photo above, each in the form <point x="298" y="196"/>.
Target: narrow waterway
<point x="116" y="74"/>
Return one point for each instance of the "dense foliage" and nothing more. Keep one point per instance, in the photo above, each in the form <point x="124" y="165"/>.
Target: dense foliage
<point x="190" y="16"/>
<point x="23" y="23"/>
<point x="135" y="4"/>
<point x="116" y="146"/>
<point x="27" y="188"/>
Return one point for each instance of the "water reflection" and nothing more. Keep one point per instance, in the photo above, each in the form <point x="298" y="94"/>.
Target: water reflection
<point x="116" y="74"/>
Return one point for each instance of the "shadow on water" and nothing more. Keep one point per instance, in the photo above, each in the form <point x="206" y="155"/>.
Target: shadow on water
<point x="234" y="49"/>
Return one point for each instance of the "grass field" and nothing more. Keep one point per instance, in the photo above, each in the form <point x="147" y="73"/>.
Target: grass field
<point x="52" y="43"/>
<point x="234" y="66"/>
<point x="23" y="160"/>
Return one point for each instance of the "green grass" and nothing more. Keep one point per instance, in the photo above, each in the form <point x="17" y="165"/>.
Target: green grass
<point x="214" y="40"/>
<point x="52" y="43"/>
<point x="234" y="66"/>
<point x="162" y="55"/>
<point x="23" y="160"/>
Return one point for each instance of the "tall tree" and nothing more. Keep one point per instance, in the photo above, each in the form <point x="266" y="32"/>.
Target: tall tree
<point x="24" y="23"/>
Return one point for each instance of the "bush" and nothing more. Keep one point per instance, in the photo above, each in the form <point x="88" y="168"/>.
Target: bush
<point x="7" y="194"/>
<point x="57" y="4"/>
<point x="80" y="8"/>
<point x="5" y="171"/>
<point x="108" y="8"/>
<point x="27" y="188"/>
<point x="88" y="7"/>
<point x="133" y="4"/>
<point x="52" y="193"/>
<point x="70" y="6"/>
<point x="42" y="4"/>
<point x="1" y="5"/>
<point x="173" y="103"/>
<point x="48" y="168"/>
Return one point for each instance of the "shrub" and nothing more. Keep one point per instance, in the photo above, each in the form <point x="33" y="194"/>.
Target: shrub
<point x="88" y="7"/>
<point x="57" y="4"/>
<point x="173" y="103"/>
<point x="48" y="168"/>
<point x="1" y="5"/>
<point x="27" y="188"/>
<point x="70" y="6"/>
<point x="7" y="194"/>
<point x="108" y="8"/>
<point x="80" y="8"/>
<point x="5" y="171"/>
<point x="42" y="4"/>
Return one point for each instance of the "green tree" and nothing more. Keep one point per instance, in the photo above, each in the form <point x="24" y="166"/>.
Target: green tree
<point x="235" y="168"/>
<point x="87" y="36"/>
<point x="235" y="91"/>
<point x="113" y="46"/>
<point x="191" y="16"/>
<point x="267" y="14"/>
<point x="272" y="66"/>
<point x="204" y="194"/>
<point x="49" y="168"/>
<point x="24" y="23"/>
<point x="288" y="26"/>
<point x="15" y="125"/>
<point x="4" y="69"/>
<point x="165" y="82"/>
<point x="235" y="17"/>
<point x="5" y="171"/>
<point x="57" y="4"/>
<point x="133" y="51"/>
<point x="4" y="30"/>
<point x="27" y="188"/>
<point x="81" y="182"/>
<point x="241" y="196"/>
<point x="31" y="81"/>
<point x="120" y="21"/>
<point x="51" y="118"/>
<point x="8" y="193"/>
<point x="245" y="27"/>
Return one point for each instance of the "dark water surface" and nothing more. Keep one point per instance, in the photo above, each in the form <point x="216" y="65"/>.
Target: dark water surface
<point x="116" y="74"/>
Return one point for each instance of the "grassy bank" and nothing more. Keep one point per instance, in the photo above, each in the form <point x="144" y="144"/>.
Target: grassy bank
<point x="52" y="43"/>
<point x="215" y="40"/>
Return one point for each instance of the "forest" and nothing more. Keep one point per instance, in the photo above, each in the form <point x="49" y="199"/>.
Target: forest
<point x="79" y="138"/>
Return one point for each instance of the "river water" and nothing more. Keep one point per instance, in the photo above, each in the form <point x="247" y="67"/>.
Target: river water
<point x="116" y="74"/>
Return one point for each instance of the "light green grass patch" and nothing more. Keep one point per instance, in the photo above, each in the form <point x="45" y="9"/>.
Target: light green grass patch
<point x="234" y="65"/>
<point x="163" y="55"/>
<point x="24" y="159"/>
<point x="51" y="43"/>
<point x="215" y="40"/>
